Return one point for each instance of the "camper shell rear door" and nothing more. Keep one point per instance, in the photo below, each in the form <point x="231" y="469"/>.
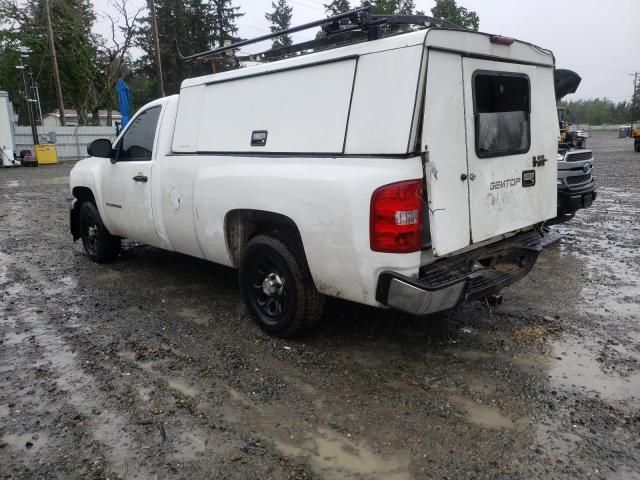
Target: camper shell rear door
<point x="489" y="136"/>
<point x="511" y="143"/>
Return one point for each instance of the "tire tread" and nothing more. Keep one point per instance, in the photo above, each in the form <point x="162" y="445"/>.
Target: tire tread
<point x="311" y="301"/>
<point x="109" y="244"/>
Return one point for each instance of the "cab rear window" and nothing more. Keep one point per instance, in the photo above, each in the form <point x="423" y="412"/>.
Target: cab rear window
<point x="501" y="109"/>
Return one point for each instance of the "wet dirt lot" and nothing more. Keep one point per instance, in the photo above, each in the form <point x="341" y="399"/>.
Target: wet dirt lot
<point x="150" y="368"/>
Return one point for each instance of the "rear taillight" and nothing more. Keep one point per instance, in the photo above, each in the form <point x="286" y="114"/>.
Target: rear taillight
<point x="396" y="217"/>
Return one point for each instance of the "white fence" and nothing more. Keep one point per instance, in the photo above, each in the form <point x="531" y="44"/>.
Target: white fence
<point x="71" y="142"/>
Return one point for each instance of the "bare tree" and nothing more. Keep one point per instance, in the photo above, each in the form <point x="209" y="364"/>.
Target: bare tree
<point x="114" y="51"/>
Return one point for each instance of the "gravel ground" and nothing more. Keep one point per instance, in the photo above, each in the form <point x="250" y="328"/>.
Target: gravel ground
<point x="150" y="368"/>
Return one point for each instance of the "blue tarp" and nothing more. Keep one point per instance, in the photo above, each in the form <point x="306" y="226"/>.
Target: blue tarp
<point x="124" y="100"/>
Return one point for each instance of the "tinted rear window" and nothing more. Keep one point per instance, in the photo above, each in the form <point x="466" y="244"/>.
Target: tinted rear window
<point x="501" y="108"/>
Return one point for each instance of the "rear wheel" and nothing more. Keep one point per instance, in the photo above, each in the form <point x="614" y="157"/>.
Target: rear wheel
<point x="636" y="146"/>
<point x="99" y="244"/>
<point x="277" y="286"/>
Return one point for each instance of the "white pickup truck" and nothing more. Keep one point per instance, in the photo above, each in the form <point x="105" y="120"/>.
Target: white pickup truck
<point x="414" y="172"/>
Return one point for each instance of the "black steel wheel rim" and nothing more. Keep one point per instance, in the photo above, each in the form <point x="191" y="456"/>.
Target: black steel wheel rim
<point x="270" y="288"/>
<point x="90" y="233"/>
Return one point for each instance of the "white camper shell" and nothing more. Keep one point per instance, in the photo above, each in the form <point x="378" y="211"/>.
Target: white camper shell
<point x="400" y="96"/>
<point x="405" y="172"/>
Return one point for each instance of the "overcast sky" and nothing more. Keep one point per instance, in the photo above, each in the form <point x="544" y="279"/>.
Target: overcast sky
<point x="599" y="40"/>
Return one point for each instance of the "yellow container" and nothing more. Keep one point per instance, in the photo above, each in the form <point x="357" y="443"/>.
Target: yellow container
<point x="46" y="154"/>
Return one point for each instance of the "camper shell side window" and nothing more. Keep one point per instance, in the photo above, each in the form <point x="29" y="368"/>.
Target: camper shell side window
<point x="502" y="107"/>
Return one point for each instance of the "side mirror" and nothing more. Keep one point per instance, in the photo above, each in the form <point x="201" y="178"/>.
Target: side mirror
<point x="100" y="148"/>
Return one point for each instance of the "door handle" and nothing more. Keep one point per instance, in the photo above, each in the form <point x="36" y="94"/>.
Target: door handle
<point x="140" y="178"/>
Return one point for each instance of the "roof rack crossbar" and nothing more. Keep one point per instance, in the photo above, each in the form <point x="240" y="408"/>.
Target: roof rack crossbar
<point x="360" y="20"/>
<point x="336" y="18"/>
<point x="416" y="20"/>
<point x="348" y="34"/>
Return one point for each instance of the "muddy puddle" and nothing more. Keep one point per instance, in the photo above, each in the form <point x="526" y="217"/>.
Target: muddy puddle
<point x="183" y="386"/>
<point x="335" y="456"/>
<point x="484" y="415"/>
<point x="607" y="252"/>
<point x="576" y="366"/>
<point x="42" y="182"/>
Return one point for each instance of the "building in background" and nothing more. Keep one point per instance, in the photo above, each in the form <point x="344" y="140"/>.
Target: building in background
<point x="52" y="119"/>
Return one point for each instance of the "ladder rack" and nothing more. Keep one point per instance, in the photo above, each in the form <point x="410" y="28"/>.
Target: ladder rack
<point x="356" y="25"/>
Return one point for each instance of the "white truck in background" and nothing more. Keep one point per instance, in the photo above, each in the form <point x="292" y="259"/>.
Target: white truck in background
<point x="7" y="135"/>
<point x="414" y="172"/>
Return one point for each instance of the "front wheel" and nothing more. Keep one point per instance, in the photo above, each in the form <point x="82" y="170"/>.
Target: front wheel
<point x="636" y="146"/>
<point x="99" y="244"/>
<point x="277" y="286"/>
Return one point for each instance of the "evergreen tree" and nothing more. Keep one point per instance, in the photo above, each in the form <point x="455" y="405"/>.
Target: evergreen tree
<point x="393" y="7"/>
<point x="449" y="10"/>
<point x="280" y="19"/>
<point x="598" y="111"/>
<point x="176" y="21"/>
<point x="10" y="78"/>
<point x="224" y="25"/>
<point x="197" y="25"/>
<point x="76" y="47"/>
<point x="384" y="7"/>
<point x="405" y="7"/>
<point x="337" y="7"/>
<point x="634" y="107"/>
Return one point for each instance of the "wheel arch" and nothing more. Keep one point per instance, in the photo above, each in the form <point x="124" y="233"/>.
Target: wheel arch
<point x="241" y="225"/>
<point x="81" y="195"/>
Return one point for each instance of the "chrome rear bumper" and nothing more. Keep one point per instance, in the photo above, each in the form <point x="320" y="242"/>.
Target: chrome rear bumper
<point x="466" y="277"/>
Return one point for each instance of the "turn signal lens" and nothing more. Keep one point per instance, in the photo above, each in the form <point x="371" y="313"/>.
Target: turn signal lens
<point x="396" y="217"/>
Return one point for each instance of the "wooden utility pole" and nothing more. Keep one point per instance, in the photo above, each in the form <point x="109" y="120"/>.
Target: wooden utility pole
<point x="633" y="99"/>
<point x="156" y="45"/>
<point x="54" y="59"/>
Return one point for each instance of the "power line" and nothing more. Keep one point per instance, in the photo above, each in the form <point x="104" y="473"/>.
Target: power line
<point x="633" y="98"/>
<point x="54" y="59"/>
<point x="262" y="29"/>
<point x="305" y="5"/>
<point x="156" y="46"/>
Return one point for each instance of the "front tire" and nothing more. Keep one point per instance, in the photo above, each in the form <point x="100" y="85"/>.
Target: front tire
<point x="99" y="244"/>
<point x="277" y="286"/>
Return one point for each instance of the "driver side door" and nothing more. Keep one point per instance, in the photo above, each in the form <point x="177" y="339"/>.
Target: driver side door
<point x="127" y="184"/>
